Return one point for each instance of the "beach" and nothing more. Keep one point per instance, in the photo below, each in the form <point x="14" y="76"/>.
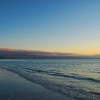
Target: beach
<point x="15" y="87"/>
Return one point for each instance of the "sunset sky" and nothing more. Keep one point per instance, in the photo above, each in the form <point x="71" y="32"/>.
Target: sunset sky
<point x="70" y="26"/>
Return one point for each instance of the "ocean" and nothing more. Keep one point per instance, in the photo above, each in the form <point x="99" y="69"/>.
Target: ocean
<point x="78" y="78"/>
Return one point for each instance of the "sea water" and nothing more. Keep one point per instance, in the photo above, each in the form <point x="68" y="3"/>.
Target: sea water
<point x="78" y="78"/>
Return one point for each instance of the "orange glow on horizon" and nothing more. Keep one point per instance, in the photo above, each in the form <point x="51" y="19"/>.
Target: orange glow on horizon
<point x="53" y="52"/>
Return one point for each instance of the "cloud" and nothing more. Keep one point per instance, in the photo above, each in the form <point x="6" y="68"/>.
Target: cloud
<point x="33" y="52"/>
<point x="7" y="49"/>
<point x="19" y="53"/>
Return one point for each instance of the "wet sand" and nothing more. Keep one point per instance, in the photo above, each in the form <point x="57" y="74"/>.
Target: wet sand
<point x="15" y="87"/>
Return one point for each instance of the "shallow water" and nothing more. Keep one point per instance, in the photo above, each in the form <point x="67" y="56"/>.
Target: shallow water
<point x="14" y="87"/>
<point x="79" y="78"/>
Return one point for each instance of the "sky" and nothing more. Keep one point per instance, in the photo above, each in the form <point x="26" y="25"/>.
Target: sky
<point x="70" y="26"/>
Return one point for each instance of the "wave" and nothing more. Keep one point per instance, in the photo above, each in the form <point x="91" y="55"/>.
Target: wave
<point x="57" y="87"/>
<point x="76" y="77"/>
<point x="63" y="75"/>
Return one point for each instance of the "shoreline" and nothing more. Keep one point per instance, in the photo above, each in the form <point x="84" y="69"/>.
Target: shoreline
<point x="15" y="87"/>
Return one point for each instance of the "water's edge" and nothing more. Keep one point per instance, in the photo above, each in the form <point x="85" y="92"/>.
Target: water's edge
<point x="68" y="91"/>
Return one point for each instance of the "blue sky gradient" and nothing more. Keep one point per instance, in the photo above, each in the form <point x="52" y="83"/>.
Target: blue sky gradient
<point x="71" y="26"/>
